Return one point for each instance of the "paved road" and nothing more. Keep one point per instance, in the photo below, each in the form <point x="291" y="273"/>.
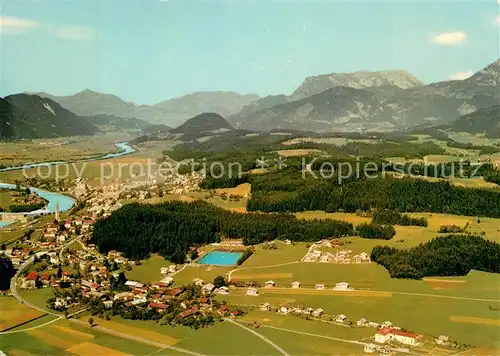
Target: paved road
<point x="283" y="352"/>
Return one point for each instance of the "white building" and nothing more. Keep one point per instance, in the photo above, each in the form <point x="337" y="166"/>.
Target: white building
<point x="269" y="284"/>
<point x="370" y="348"/>
<point x="198" y="282"/>
<point x="295" y="284"/>
<point x="167" y="280"/>
<point x="207" y="288"/>
<point x="265" y="307"/>
<point x="341" y="318"/>
<point x="320" y="286"/>
<point x="341" y="286"/>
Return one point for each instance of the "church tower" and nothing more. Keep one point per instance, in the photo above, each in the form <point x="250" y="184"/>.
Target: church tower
<point x="57" y="212"/>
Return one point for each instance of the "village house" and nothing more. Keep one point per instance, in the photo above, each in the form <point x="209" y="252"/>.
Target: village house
<point x="198" y="282"/>
<point x="252" y="291"/>
<point x="207" y="288"/>
<point x="269" y="284"/>
<point x="308" y="311"/>
<point x="317" y="312"/>
<point x="341" y="286"/>
<point x="164" y="270"/>
<point x="167" y="280"/>
<point x="341" y="318"/>
<point x="324" y="243"/>
<point x="29" y="282"/>
<point x="284" y="310"/>
<point x="108" y="304"/>
<point x="223" y="290"/>
<point x="319" y="286"/>
<point x="134" y="284"/>
<point x="265" y="307"/>
<point x="60" y="303"/>
<point x="295" y="284"/>
<point x="443" y="340"/>
<point x="161" y="307"/>
<point x="287" y="242"/>
<point x="362" y="322"/>
<point x="188" y="312"/>
<point x="370" y="348"/>
<point x="223" y="310"/>
<point x="172" y="268"/>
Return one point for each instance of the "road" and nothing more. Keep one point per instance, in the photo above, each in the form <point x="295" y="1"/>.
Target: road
<point x="13" y="289"/>
<point x="283" y="352"/>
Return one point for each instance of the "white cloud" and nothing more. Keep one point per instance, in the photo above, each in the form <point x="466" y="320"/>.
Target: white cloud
<point x="461" y="75"/>
<point x="74" y="32"/>
<point x="11" y="24"/>
<point x="449" y="38"/>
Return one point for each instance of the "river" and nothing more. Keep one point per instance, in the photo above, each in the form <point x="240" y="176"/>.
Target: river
<point x="65" y="203"/>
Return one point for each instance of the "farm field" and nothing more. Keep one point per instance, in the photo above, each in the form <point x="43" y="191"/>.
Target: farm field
<point x="422" y="314"/>
<point x="65" y="338"/>
<point x="13" y="313"/>
<point x="69" y="148"/>
<point x="37" y="297"/>
<point x="149" y="270"/>
<point x="132" y="166"/>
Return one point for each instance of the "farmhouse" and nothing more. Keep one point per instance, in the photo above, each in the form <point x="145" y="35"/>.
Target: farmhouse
<point x="158" y="306"/>
<point x="207" y="288"/>
<point x="172" y="268"/>
<point x="295" y="284"/>
<point x="341" y="286"/>
<point x="134" y="284"/>
<point x="386" y="334"/>
<point x="340" y="318"/>
<point x="269" y="284"/>
<point x="287" y="242"/>
<point x="318" y="312"/>
<point x="252" y="291"/>
<point x="164" y="270"/>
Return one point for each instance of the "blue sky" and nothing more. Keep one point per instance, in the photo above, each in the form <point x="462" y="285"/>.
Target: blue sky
<point x="148" y="51"/>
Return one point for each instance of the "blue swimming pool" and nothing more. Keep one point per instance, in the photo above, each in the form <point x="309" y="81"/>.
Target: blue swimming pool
<point x="220" y="258"/>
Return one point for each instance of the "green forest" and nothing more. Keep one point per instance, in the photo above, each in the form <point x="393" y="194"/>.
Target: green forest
<point x="171" y="228"/>
<point x="452" y="255"/>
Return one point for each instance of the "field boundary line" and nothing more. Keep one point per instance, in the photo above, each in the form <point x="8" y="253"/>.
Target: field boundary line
<point x="28" y="329"/>
<point x="256" y="267"/>
<point x="283" y="352"/>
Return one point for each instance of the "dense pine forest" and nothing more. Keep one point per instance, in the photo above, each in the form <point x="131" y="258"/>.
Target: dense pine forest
<point x="170" y="229"/>
<point x="291" y="193"/>
<point x="453" y="255"/>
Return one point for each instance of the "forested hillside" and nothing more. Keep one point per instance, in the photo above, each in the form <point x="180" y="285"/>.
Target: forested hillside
<point x="30" y="116"/>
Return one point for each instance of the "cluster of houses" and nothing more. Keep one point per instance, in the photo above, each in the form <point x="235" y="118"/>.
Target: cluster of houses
<point x="342" y="256"/>
<point x="317" y="313"/>
<point x="341" y="286"/>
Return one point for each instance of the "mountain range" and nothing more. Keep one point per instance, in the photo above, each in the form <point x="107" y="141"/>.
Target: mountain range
<point x="374" y="101"/>
<point x="356" y="104"/>
<point x="170" y="112"/>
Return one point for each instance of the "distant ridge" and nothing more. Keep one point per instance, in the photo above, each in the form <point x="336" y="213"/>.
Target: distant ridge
<point x="204" y="123"/>
<point x="31" y="116"/>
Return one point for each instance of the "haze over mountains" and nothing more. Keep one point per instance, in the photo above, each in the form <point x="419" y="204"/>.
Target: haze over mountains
<point x="375" y="101"/>
<point x="170" y="112"/>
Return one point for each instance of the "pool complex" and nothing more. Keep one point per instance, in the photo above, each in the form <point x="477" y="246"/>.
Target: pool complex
<point x="220" y="258"/>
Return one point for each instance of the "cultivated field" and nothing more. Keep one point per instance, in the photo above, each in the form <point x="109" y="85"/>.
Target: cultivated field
<point x="13" y="313"/>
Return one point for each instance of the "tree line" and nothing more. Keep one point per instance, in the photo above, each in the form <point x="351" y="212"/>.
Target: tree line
<point x="171" y="228"/>
<point x="452" y="255"/>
